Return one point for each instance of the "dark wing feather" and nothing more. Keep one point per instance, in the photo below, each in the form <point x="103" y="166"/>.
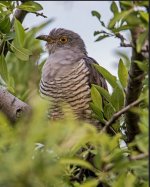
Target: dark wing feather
<point x="95" y="77"/>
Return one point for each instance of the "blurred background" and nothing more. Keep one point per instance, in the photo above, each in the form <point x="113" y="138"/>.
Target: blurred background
<point x="76" y="16"/>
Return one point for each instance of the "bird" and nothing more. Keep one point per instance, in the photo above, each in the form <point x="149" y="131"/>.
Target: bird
<point x="68" y="74"/>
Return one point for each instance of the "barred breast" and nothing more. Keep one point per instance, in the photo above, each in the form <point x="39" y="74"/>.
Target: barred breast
<point x="72" y="88"/>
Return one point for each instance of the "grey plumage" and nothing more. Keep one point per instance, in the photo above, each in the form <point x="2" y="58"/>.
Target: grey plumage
<point x="68" y="73"/>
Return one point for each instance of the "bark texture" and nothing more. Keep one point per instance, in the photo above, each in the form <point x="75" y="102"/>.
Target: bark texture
<point x="134" y="88"/>
<point x="11" y="106"/>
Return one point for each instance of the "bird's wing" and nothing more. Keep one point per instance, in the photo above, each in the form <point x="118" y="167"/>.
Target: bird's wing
<point x="95" y="77"/>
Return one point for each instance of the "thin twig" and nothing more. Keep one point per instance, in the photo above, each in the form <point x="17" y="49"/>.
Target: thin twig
<point x="104" y="32"/>
<point x="125" y="45"/>
<point x="145" y="50"/>
<point x="109" y="166"/>
<point x="139" y="157"/>
<point x="39" y="14"/>
<point x="118" y="114"/>
<point x="120" y="36"/>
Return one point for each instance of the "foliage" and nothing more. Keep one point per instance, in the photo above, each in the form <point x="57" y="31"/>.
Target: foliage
<point x="19" y="72"/>
<point x="37" y="152"/>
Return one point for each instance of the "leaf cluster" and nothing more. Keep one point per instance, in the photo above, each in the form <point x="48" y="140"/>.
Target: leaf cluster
<point x="20" y="69"/>
<point x="42" y="153"/>
<point x="112" y="102"/>
<point x="126" y="16"/>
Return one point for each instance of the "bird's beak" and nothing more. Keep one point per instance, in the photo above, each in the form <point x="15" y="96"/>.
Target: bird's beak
<point x="42" y="37"/>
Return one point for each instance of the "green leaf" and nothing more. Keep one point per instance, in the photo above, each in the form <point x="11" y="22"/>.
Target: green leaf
<point x="143" y="3"/>
<point x="10" y="36"/>
<point x="103" y="24"/>
<point x="143" y="65"/>
<point x="96" y="33"/>
<point x="77" y="162"/>
<point x="103" y="92"/>
<point x="20" y="33"/>
<point x="18" y="43"/>
<point x="121" y="28"/>
<point x="96" y="98"/>
<point x="101" y="37"/>
<point x="127" y="4"/>
<point x="117" y="17"/>
<point x="30" y="6"/>
<point x="133" y="20"/>
<point x="21" y="53"/>
<point x="5" y="3"/>
<point x="114" y="7"/>
<point x="91" y="183"/>
<point x="141" y="40"/>
<point x="122" y="73"/>
<point x="108" y="76"/>
<point x="109" y="110"/>
<point x="97" y="14"/>
<point x="3" y="68"/>
<point x="117" y="98"/>
<point x="145" y="16"/>
<point x="98" y="112"/>
<point x="120" y="181"/>
<point x="131" y="180"/>
<point x="11" y="84"/>
<point x="5" y="24"/>
<point x="41" y="26"/>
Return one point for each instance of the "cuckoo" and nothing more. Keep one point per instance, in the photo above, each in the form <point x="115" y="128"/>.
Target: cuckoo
<point x="68" y="73"/>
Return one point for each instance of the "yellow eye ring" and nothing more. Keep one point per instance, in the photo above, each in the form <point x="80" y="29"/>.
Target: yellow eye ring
<point x="63" y="39"/>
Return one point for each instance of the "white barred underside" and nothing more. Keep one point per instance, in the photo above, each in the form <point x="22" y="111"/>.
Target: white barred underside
<point x="72" y="88"/>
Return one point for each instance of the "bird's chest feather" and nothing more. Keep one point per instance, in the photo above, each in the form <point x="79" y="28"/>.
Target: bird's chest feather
<point x="69" y="83"/>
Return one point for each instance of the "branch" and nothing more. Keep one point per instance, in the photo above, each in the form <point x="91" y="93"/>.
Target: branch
<point x="39" y="14"/>
<point x="139" y="157"/>
<point x="120" y="36"/>
<point x="118" y="114"/>
<point x="130" y="45"/>
<point x="109" y="166"/>
<point x="125" y="45"/>
<point x="19" y="15"/>
<point x="134" y="87"/>
<point x="11" y="106"/>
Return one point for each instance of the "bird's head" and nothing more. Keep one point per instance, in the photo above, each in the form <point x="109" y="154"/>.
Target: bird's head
<point x="63" y="39"/>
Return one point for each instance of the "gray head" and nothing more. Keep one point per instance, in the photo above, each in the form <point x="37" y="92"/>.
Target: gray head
<point x="63" y="39"/>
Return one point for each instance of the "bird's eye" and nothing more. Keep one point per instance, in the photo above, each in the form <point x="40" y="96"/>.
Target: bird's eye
<point x="63" y="39"/>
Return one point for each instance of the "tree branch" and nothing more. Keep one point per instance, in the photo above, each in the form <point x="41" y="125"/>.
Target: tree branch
<point x="139" y="157"/>
<point x="134" y="87"/>
<point x="118" y="114"/>
<point x="125" y="45"/>
<point x="19" y="15"/>
<point x="11" y="106"/>
<point x="39" y="14"/>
